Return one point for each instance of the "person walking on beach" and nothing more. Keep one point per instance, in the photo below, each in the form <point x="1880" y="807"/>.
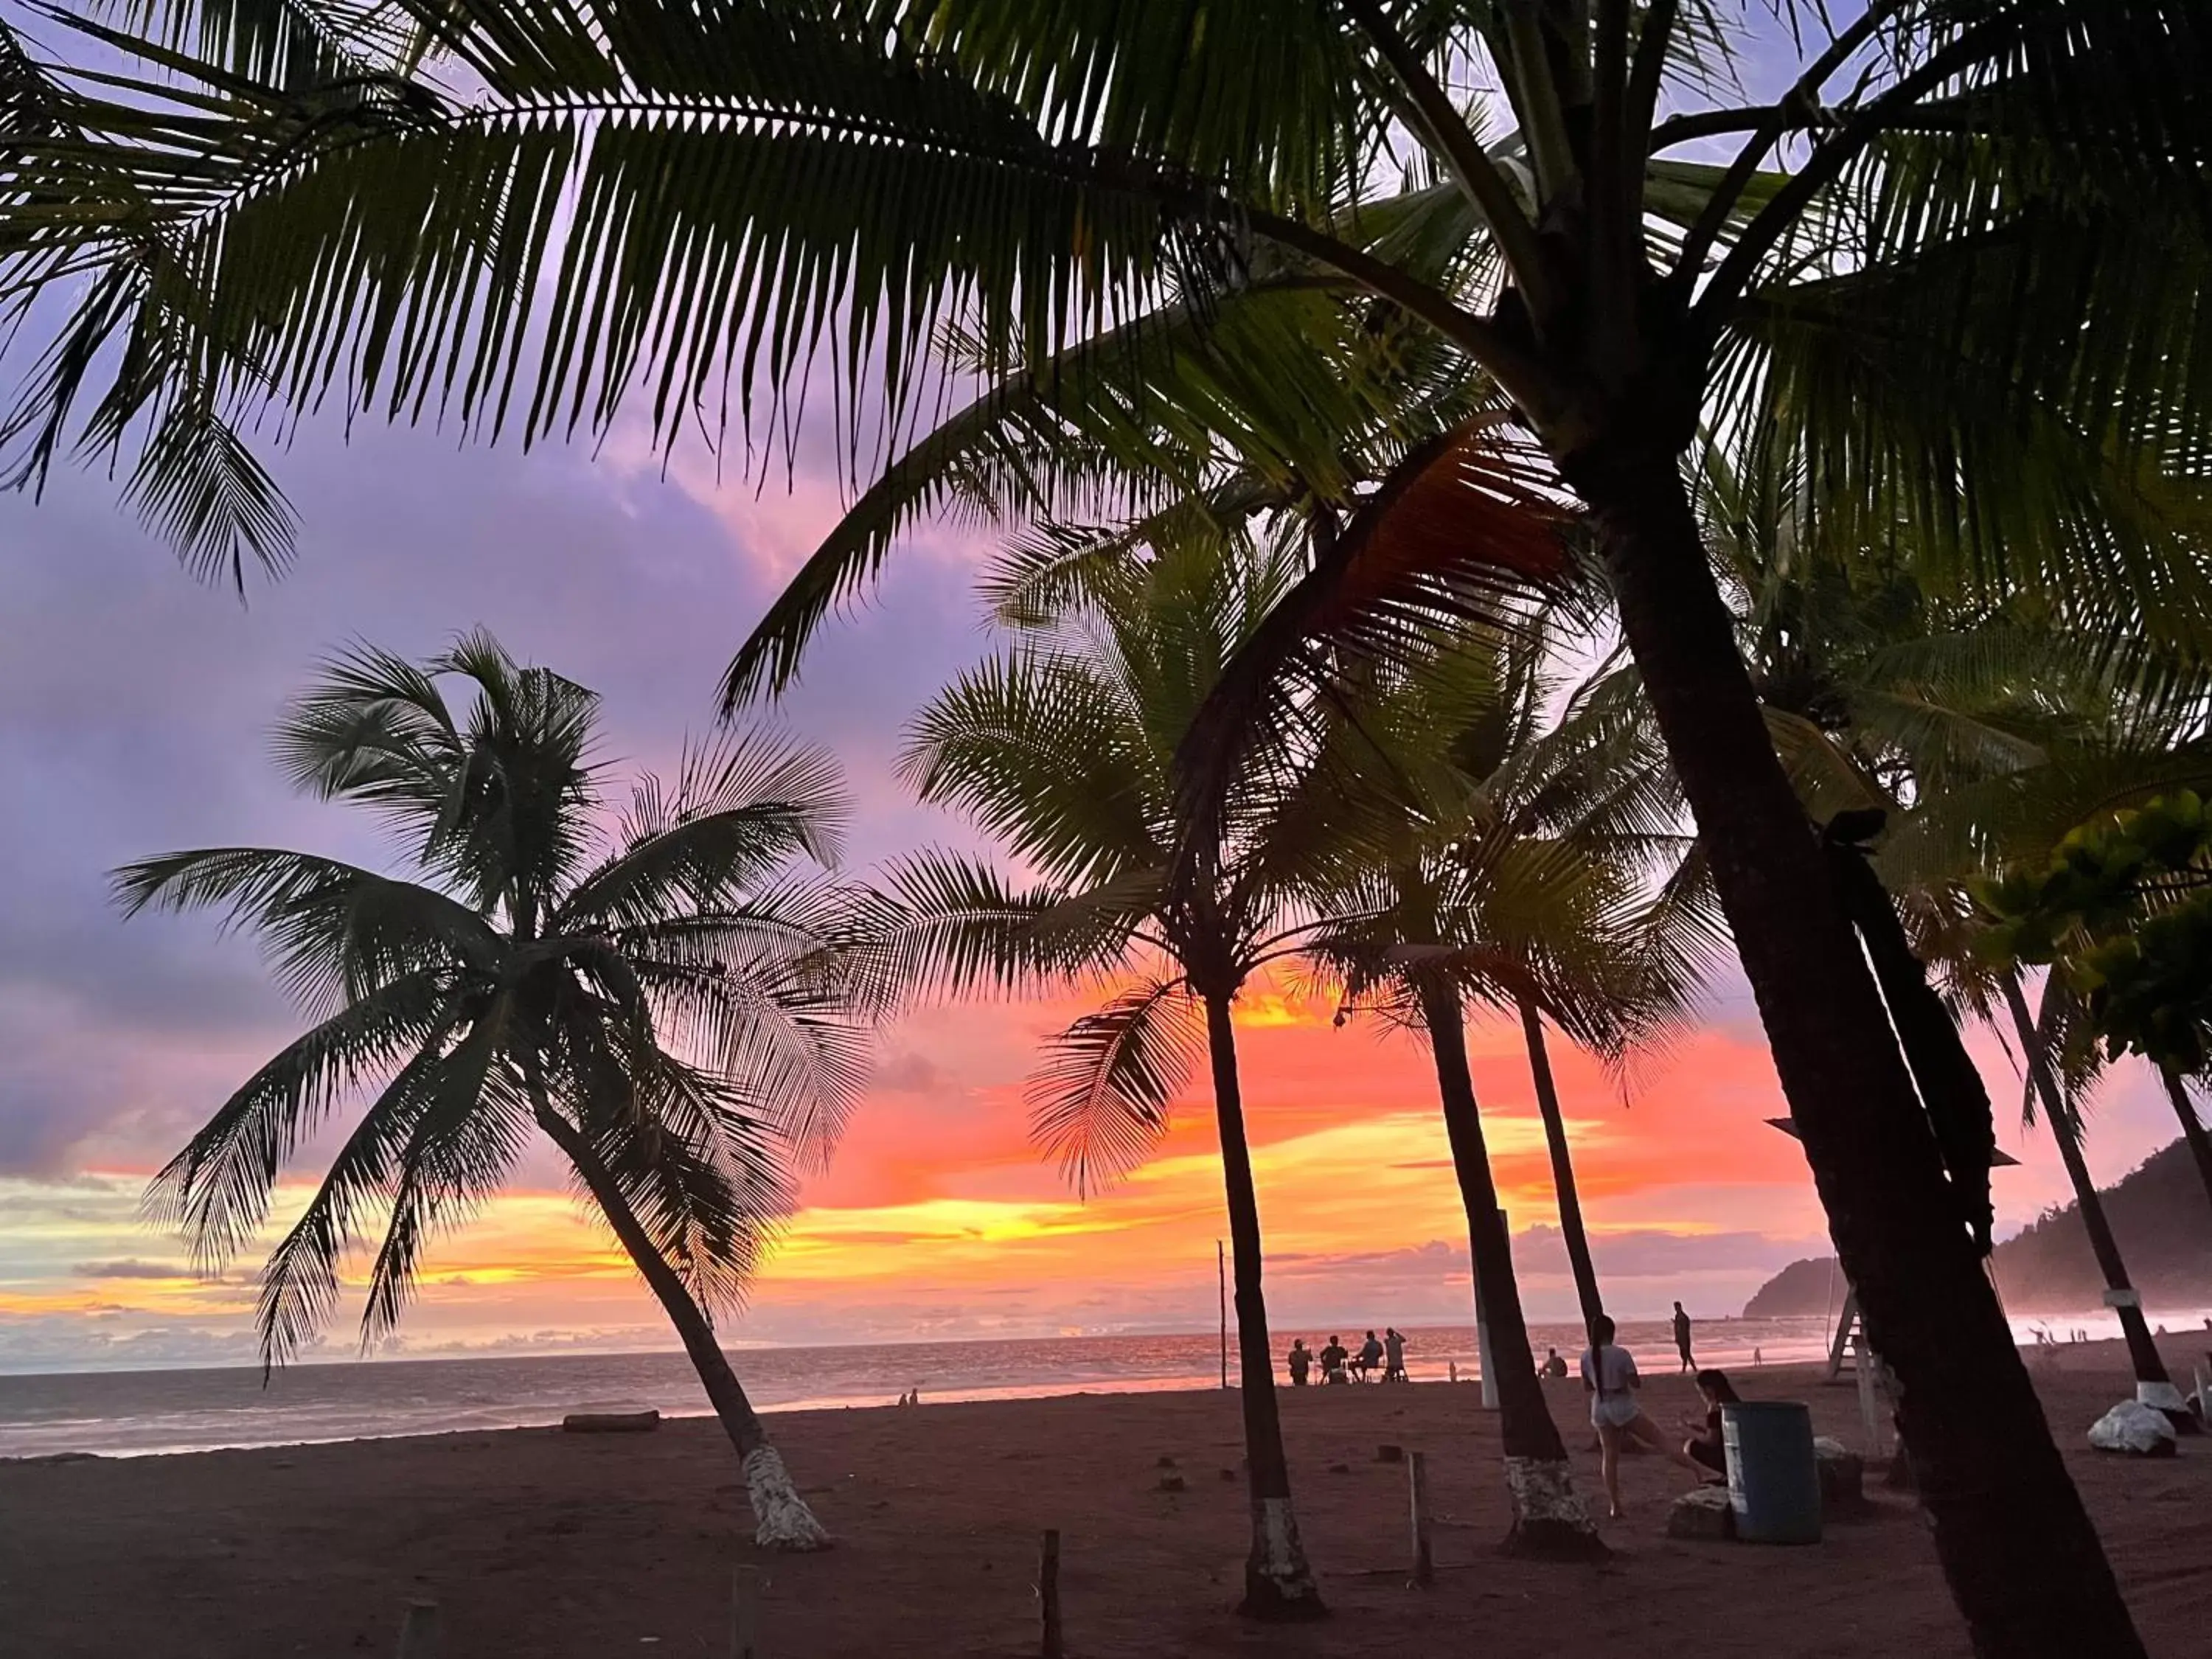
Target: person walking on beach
<point x="1394" y="1355"/>
<point x="1301" y="1361"/>
<point x="1609" y="1377"/>
<point x="1682" y="1339"/>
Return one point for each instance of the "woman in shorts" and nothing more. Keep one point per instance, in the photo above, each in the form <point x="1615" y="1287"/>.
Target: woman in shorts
<point x="1609" y="1375"/>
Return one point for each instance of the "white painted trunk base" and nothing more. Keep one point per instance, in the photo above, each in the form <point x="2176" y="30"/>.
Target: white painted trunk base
<point x="1544" y="1491"/>
<point x="1282" y="1562"/>
<point x="784" y="1521"/>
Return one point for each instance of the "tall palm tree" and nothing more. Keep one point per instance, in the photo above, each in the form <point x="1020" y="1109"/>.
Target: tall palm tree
<point x="2040" y="1040"/>
<point x="666" y="1004"/>
<point x="1881" y="289"/>
<point x="1881" y="696"/>
<point x="1061" y="748"/>
<point x="1511" y="876"/>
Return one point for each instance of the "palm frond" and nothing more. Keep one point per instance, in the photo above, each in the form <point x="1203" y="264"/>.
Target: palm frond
<point x="1099" y="1098"/>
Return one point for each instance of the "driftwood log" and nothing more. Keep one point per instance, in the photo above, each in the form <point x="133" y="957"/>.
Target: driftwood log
<point x="611" y="1422"/>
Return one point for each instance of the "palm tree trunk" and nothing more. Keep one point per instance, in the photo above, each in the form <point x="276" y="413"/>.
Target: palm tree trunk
<point x="1549" y="1517"/>
<point x="2153" y="1385"/>
<point x="1278" y="1583"/>
<point x="2022" y="1559"/>
<point x="2192" y="1127"/>
<point x="781" y="1518"/>
<point x="1563" y="1166"/>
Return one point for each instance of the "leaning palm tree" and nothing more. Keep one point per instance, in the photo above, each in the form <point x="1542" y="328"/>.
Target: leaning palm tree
<point x="1062" y="748"/>
<point x="667" y="1004"/>
<point x="540" y="215"/>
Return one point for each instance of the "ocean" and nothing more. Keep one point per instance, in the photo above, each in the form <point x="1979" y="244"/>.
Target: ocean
<point x="138" y="1414"/>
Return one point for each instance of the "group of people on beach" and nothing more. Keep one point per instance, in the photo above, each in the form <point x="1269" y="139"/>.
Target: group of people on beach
<point x="1609" y="1376"/>
<point x="1341" y="1364"/>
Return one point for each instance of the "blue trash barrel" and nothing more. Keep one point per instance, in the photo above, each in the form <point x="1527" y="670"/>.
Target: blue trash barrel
<point x="1774" y="1483"/>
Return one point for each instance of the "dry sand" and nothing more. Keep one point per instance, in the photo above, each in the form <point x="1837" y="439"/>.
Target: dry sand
<point x="588" y="1548"/>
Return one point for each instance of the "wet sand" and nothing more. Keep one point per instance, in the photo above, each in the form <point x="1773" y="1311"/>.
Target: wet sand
<point x="538" y="1543"/>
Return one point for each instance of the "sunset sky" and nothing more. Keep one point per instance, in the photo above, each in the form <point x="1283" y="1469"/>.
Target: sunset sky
<point x="134" y="710"/>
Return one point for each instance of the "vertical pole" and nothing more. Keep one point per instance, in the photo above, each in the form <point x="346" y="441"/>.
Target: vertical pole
<point x="418" y="1631"/>
<point x="1048" y="1594"/>
<point x="1221" y="1273"/>
<point x="744" y="1614"/>
<point x="1417" y="1495"/>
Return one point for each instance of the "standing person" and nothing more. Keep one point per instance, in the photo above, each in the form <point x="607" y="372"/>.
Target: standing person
<point x="1371" y="1355"/>
<point x="1682" y="1339"/>
<point x="1394" y="1355"/>
<point x="1610" y="1379"/>
<point x="1301" y="1361"/>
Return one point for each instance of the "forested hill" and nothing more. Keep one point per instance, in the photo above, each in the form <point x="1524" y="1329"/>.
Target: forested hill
<point x="2159" y="1213"/>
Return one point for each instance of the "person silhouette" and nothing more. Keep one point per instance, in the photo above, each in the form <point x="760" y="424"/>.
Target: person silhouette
<point x="1682" y="1339"/>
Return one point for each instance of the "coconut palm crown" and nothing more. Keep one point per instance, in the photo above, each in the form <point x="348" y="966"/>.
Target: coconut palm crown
<point x="664" y="999"/>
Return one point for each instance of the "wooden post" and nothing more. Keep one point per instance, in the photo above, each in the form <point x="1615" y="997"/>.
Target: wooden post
<point x="744" y="1614"/>
<point x="1417" y="1494"/>
<point x="1048" y="1594"/>
<point x="418" y="1631"/>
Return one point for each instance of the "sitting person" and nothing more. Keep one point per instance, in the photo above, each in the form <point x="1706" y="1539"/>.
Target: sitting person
<point x="1554" y="1366"/>
<point x="1707" y="1449"/>
<point x="1301" y="1361"/>
<point x="1370" y="1356"/>
<point x="1332" y="1362"/>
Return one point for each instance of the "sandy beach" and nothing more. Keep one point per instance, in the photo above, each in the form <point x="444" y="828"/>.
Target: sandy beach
<point x="567" y="1546"/>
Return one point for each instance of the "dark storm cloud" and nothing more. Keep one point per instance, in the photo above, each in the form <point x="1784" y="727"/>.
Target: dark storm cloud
<point x="135" y="708"/>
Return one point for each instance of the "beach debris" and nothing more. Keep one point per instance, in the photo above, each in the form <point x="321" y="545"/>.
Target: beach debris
<point x="1229" y="1474"/>
<point x="2132" y="1427"/>
<point x="1339" y="1468"/>
<point x="1389" y="1453"/>
<point x="611" y="1422"/>
<point x="1172" y="1483"/>
<point x="1166" y="1461"/>
<point x="1706" y="1513"/>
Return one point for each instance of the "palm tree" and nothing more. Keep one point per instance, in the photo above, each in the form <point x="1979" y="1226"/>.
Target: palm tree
<point x="666" y="1005"/>
<point x="2062" y="1110"/>
<point x="1061" y="748"/>
<point x="396" y="202"/>
<point x="1882" y="698"/>
<point x="1511" y="878"/>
